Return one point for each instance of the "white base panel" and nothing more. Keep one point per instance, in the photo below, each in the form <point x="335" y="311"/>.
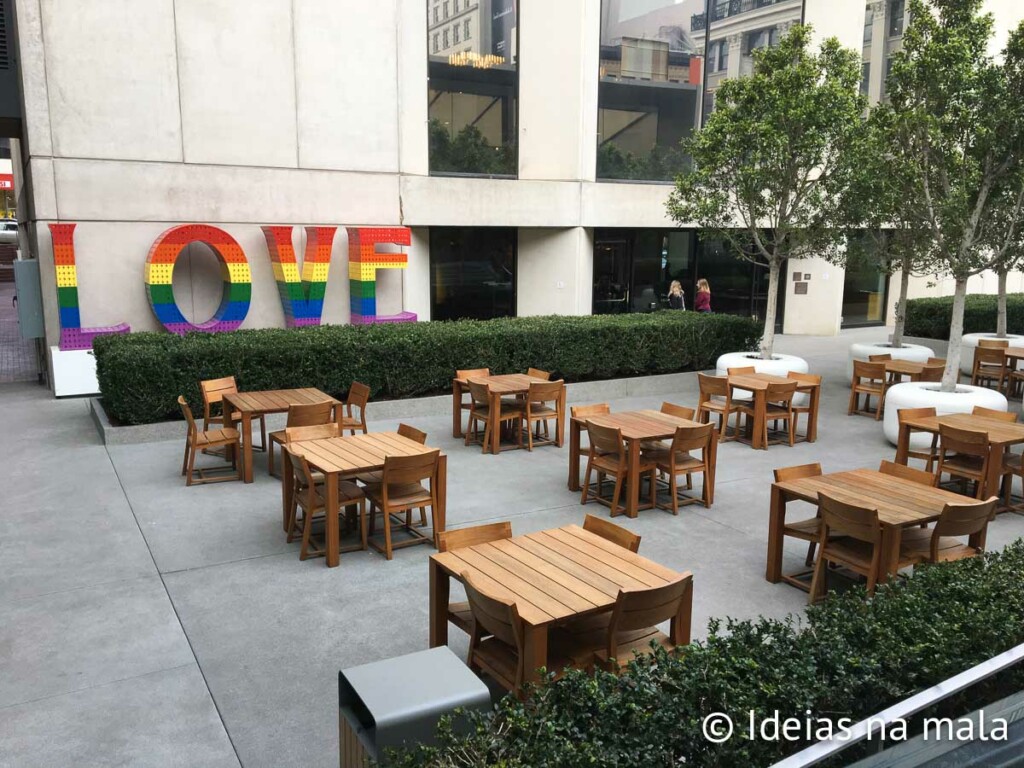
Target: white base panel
<point x="73" y="372"/>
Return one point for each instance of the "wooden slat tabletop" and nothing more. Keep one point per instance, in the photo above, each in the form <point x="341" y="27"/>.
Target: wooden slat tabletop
<point x="999" y="432"/>
<point x="555" y="574"/>
<point x="276" y="400"/>
<point x="1014" y="353"/>
<point x="506" y="383"/>
<point x="640" y="425"/>
<point x="898" y="501"/>
<point x="357" y="453"/>
<point x="905" y="367"/>
<point x="757" y="381"/>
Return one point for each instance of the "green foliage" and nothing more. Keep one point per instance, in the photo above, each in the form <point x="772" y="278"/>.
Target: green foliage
<point x="930" y="318"/>
<point x="468" y="152"/>
<point x="850" y="658"/>
<point x="660" y="164"/>
<point x="142" y="374"/>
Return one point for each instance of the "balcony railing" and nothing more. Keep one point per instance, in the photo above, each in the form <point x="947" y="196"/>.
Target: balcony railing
<point x="723" y="9"/>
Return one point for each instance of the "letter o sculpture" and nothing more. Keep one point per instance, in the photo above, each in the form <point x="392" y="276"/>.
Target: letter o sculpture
<point x="234" y="267"/>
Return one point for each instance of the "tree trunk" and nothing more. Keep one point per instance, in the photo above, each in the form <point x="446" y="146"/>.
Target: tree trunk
<point x="768" y="340"/>
<point x="901" y="304"/>
<point x="951" y="375"/>
<point x="1001" y="305"/>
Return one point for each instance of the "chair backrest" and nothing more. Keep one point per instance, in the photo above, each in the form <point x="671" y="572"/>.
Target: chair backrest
<point x="969" y="442"/>
<point x="606" y="440"/>
<point x="308" y="414"/>
<point x="931" y="373"/>
<point x="993" y="343"/>
<point x="879" y="358"/>
<point x="616" y="534"/>
<point x="905" y="414"/>
<point x="475" y="534"/>
<point x="780" y="392"/>
<point x="412" y="433"/>
<point x="187" y="412"/>
<point x="712" y="386"/>
<point x="782" y="474"/>
<point x="584" y="411"/>
<point x="647" y="607"/>
<point x="544" y="392"/>
<point x="844" y="519"/>
<point x="963" y="520"/>
<point x="399" y="470"/>
<point x="991" y="413"/>
<point x="893" y="469"/>
<point x="741" y="370"/>
<point x="495" y="615"/>
<point x="313" y="432"/>
<point x="470" y="373"/>
<point x="936" y="361"/>
<point x="989" y="356"/>
<point x="479" y="392"/>
<point x="300" y="467"/>
<point x="537" y="373"/>
<point x="679" y="411"/>
<point x="804" y="378"/>
<point x="692" y="438"/>
<point x="213" y="391"/>
<point x="358" y="396"/>
<point x="866" y="370"/>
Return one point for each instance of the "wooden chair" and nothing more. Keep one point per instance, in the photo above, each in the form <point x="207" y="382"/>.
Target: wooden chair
<point x="932" y="454"/>
<point x="584" y="412"/>
<point x="196" y="441"/>
<point x="939" y="361"/>
<point x="963" y="454"/>
<point x="358" y="397"/>
<point x="715" y="398"/>
<point x="994" y="343"/>
<point x="679" y="411"/>
<point x="676" y="459"/>
<point x="370" y="478"/>
<point x="904" y="472"/>
<point x="480" y="412"/>
<point x="778" y="407"/>
<point x="1010" y="417"/>
<point x="989" y="368"/>
<point x="297" y="435"/>
<point x="402" y="491"/>
<point x="740" y="370"/>
<point x="1013" y="466"/>
<point x="616" y="534"/>
<point x="608" y="457"/>
<point x="213" y="391"/>
<point x="538" y="374"/>
<point x="870" y="381"/>
<point x="542" y="405"/>
<point x="459" y="613"/>
<point x="803" y="378"/>
<point x="308" y="498"/>
<point x="940" y="543"/>
<point x="880" y="358"/>
<point x="850" y="536"/>
<point x="931" y="373"/>
<point x="808" y="530"/>
<point x="465" y="374"/>
<point x="305" y="415"/>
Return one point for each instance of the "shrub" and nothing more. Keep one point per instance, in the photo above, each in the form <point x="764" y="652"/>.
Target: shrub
<point x="142" y="374"/>
<point x="851" y="657"/>
<point x="930" y="318"/>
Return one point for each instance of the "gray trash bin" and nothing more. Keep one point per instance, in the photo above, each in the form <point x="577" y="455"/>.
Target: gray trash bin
<point x="400" y="701"/>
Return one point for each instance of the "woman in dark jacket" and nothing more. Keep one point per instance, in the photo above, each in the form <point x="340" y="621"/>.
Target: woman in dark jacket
<point x="675" y="296"/>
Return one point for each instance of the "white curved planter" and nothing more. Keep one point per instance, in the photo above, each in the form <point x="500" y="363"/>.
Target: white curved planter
<point x="913" y="352"/>
<point x="918" y="394"/>
<point x="970" y="343"/>
<point x="779" y="365"/>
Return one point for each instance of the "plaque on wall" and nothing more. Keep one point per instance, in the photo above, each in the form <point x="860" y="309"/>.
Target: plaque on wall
<point x="800" y="288"/>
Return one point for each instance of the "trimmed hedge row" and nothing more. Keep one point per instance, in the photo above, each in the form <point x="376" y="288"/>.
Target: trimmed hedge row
<point x="930" y="318"/>
<point x="850" y="657"/>
<point x="142" y="374"/>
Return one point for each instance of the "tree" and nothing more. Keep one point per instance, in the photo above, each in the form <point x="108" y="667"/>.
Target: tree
<point x="1008" y="255"/>
<point x="765" y="164"/>
<point x="958" y="120"/>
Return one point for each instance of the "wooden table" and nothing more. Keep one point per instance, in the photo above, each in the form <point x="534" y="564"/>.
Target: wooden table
<point x="636" y="427"/>
<point x="500" y="386"/>
<point x="552" y="576"/>
<point x="1013" y="357"/>
<point x="1001" y="435"/>
<point x="338" y="457"/>
<point x="250" y="404"/>
<point x="900" y="504"/>
<point x="757" y="383"/>
<point x="908" y="368"/>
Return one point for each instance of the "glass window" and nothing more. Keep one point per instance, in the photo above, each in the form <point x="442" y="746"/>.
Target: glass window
<point x="472" y="272"/>
<point x="865" y="77"/>
<point x="437" y="45"/>
<point x="865" y="289"/>
<point x="869" y="25"/>
<point x="455" y="6"/>
<point x="446" y="9"/>
<point x="436" y="15"/>
<point x="649" y="93"/>
<point x="472" y="93"/>
<point x="896" y="10"/>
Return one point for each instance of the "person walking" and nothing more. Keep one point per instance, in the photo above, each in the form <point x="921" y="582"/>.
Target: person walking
<point x="702" y="302"/>
<point x="675" y="296"/>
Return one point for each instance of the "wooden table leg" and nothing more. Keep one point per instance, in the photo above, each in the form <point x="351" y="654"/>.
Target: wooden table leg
<point x="440" y="586"/>
<point x="331" y="533"/>
<point x="891" y="537"/>
<point x="712" y="467"/>
<point x="760" y="416"/>
<point x="995" y="470"/>
<point x="633" y="479"/>
<point x="812" y="424"/>
<point x="456" y="408"/>
<point x="561" y="418"/>
<point x="247" y="445"/>
<point x="903" y="445"/>
<point x="574" y="455"/>
<point x="776" y="524"/>
<point x="287" y="478"/>
<point x="535" y="651"/>
<point x="441" y="513"/>
<point x="495" y="418"/>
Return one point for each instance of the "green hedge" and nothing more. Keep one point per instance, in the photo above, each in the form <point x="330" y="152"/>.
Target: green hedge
<point x="848" y="657"/>
<point x="142" y="374"/>
<point x="930" y="318"/>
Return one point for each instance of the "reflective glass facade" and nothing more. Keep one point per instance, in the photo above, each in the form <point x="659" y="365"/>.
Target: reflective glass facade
<point x="472" y="272"/>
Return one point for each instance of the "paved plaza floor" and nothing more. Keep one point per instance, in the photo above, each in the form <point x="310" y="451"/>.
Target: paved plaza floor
<point x="144" y="623"/>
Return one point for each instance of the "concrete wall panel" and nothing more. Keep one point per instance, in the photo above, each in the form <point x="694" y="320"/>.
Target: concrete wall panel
<point x="625" y="205"/>
<point x="552" y="266"/>
<point x="446" y="201"/>
<point x="32" y="67"/>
